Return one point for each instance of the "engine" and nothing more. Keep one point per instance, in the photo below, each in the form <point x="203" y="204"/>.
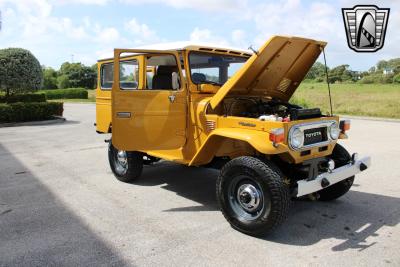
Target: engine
<point x="271" y="110"/>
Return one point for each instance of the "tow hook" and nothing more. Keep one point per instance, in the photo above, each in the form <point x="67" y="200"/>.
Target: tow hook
<point x="325" y="182"/>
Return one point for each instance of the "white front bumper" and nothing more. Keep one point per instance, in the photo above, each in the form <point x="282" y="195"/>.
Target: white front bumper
<point x="307" y="187"/>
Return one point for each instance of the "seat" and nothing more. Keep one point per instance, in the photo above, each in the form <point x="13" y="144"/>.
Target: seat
<point x="163" y="78"/>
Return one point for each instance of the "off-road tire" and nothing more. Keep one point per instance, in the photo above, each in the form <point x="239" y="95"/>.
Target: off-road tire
<point x="134" y="164"/>
<point x="276" y="197"/>
<point x="341" y="157"/>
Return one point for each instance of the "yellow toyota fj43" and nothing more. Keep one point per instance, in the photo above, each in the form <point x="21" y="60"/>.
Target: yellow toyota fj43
<point x="226" y="108"/>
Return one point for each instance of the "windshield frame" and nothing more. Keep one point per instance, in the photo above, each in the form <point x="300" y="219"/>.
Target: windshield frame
<point x="212" y="53"/>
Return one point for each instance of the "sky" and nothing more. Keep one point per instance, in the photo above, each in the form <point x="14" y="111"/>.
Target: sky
<point x="87" y="30"/>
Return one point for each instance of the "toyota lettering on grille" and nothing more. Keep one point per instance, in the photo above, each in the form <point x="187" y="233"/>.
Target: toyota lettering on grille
<point x="315" y="134"/>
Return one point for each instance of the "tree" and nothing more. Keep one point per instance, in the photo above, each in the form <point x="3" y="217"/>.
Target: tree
<point x="342" y="73"/>
<point x="20" y="71"/>
<point x="63" y="82"/>
<point x="394" y="64"/>
<point x="49" y="78"/>
<point x="382" y="64"/>
<point x="78" y="75"/>
<point x="316" y="71"/>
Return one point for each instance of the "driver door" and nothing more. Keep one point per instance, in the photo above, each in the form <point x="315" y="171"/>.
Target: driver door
<point x="142" y="118"/>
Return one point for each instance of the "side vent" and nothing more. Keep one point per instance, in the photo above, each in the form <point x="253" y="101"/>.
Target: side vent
<point x="284" y="85"/>
<point x="210" y="125"/>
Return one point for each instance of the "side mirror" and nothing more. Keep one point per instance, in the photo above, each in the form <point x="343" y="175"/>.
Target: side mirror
<point x="209" y="88"/>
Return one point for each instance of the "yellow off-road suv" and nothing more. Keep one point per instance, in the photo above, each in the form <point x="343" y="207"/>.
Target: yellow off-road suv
<point x="226" y="108"/>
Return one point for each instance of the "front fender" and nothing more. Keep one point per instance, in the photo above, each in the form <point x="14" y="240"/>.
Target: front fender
<point x="259" y="140"/>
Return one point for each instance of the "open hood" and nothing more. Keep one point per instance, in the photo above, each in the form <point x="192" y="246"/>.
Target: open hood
<point x="276" y="70"/>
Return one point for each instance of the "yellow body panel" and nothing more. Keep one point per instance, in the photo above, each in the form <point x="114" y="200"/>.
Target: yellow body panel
<point x="154" y="122"/>
<point x="103" y="106"/>
<point x="178" y="131"/>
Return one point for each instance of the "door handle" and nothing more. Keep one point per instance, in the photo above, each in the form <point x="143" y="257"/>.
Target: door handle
<point x="172" y="98"/>
<point x="123" y="114"/>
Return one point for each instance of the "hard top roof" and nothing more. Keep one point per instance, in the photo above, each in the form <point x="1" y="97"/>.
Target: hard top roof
<point x="205" y="47"/>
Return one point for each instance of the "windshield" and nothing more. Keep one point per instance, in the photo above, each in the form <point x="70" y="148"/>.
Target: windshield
<point x="213" y="68"/>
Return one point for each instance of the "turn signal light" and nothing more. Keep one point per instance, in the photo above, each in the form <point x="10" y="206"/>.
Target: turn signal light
<point x="277" y="135"/>
<point x="344" y="125"/>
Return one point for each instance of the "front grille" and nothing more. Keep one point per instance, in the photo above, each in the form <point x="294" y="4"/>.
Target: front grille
<point x="315" y="135"/>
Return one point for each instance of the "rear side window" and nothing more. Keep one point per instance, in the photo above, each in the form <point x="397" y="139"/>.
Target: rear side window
<point x="128" y="77"/>
<point x="106" y="75"/>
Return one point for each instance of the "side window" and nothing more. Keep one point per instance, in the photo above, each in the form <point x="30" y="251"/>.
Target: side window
<point x="129" y="74"/>
<point x="106" y="75"/>
<point x="164" y="75"/>
<point x="128" y="78"/>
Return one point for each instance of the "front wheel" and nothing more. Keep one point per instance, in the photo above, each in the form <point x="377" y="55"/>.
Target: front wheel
<point x="252" y="195"/>
<point x="126" y="166"/>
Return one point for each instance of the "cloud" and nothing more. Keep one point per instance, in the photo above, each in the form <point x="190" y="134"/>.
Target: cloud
<point x="204" y="5"/>
<point x="322" y="21"/>
<point x="108" y="35"/>
<point x="33" y="24"/>
<point x="239" y="39"/>
<point x="141" y="31"/>
<point x="206" y="36"/>
<point x="83" y="2"/>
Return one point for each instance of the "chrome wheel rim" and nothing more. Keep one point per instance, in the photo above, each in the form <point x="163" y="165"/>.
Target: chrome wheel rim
<point x="121" y="162"/>
<point x="246" y="198"/>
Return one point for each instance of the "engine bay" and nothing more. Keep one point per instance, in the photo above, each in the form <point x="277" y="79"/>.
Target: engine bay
<point x="266" y="109"/>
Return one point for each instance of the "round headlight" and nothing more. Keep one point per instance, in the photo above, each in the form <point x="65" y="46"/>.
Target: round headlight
<point x="334" y="131"/>
<point x="297" y="138"/>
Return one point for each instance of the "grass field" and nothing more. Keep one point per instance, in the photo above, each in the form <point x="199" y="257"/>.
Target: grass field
<point x="375" y="100"/>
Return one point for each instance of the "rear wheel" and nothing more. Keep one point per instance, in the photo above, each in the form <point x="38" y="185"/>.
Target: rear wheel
<point x="341" y="157"/>
<point x="126" y="166"/>
<point x="252" y="195"/>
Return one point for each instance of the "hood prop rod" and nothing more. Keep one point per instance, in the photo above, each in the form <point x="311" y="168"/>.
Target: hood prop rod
<point x="252" y="49"/>
<point x="327" y="81"/>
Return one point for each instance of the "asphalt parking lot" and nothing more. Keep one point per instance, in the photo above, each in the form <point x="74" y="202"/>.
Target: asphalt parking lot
<point x="61" y="205"/>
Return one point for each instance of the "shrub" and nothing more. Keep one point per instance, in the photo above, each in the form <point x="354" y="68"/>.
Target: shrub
<point x="367" y="79"/>
<point x="75" y="93"/>
<point x="19" y="112"/>
<point x="396" y="79"/>
<point x="20" y="71"/>
<point x="23" y="98"/>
